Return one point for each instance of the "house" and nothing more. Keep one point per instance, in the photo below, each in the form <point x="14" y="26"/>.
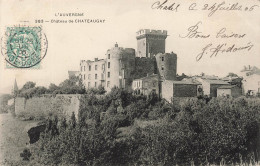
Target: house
<point x="210" y="86"/>
<point x="184" y="88"/>
<point x="229" y="90"/>
<point x="233" y="81"/>
<point x="146" y="85"/>
<point x="251" y="85"/>
<point x="249" y="70"/>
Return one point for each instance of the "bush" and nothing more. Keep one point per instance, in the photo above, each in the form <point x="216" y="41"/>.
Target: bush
<point x="187" y="131"/>
<point x="26" y="154"/>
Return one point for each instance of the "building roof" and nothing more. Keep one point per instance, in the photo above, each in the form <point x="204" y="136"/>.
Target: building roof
<point x="227" y="87"/>
<point x="210" y="77"/>
<point x="191" y="80"/>
<point x="184" y="82"/>
<point x="219" y="82"/>
<point x="232" y="78"/>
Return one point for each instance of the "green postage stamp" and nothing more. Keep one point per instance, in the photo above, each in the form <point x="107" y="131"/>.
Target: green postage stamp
<point x="24" y="47"/>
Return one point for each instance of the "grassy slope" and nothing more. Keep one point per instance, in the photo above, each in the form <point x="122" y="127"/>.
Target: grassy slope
<point x="13" y="139"/>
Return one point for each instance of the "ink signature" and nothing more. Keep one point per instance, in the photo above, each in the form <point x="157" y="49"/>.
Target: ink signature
<point x="222" y="48"/>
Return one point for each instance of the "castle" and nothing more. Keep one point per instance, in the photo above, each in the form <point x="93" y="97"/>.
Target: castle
<point x="122" y="66"/>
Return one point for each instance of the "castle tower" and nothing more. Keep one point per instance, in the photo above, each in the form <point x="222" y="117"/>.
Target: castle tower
<point x="120" y="64"/>
<point x="167" y="65"/>
<point x="150" y="42"/>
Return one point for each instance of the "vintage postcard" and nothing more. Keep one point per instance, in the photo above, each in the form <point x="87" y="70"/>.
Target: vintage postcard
<point x="129" y="82"/>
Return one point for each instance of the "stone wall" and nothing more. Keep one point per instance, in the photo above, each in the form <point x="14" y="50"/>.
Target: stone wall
<point x="184" y="90"/>
<point x="167" y="65"/>
<point x="144" y="66"/>
<point x="41" y="107"/>
<point x="167" y="90"/>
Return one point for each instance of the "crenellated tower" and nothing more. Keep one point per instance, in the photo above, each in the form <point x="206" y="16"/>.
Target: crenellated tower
<point x="150" y="42"/>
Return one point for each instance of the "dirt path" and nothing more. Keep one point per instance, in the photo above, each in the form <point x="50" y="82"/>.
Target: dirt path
<point x="13" y="139"/>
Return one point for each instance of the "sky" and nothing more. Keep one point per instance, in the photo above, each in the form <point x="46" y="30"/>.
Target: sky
<point x="68" y="43"/>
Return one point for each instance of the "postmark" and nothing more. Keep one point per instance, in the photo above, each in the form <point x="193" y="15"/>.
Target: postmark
<point x="24" y="46"/>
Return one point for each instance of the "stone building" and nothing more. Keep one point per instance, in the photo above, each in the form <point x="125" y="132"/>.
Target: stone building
<point x="251" y="80"/>
<point x="122" y="65"/>
<point x="229" y="90"/>
<point x="167" y="65"/>
<point x="210" y="86"/>
<point x="251" y="85"/>
<point x="185" y="88"/>
<point x="93" y="73"/>
<point x="150" y="42"/>
<point x="147" y="84"/>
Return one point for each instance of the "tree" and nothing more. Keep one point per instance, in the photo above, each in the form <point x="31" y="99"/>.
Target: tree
<point x="232" y="75"/>
<point x="52" y="88"/>
<point x="28" y="85"/>
<point x="72" y="85"/>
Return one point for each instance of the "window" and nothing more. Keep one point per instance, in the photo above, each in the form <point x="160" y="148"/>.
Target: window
<point x="102" y="76"/>
<point x="95" y="76"/>
<point x="154" y="84"/>
<point x="89" y="68"/>
<point x="95" y="84"/>
<point x="146" y="84"/>
<point x="81" y="68"/>
<point x="162" y="67"/>
<point x="84" y="68"/>
<point x="108" y="83"/>
<point x="89" y="76"/>
<point x="108" y="74"/>
<point x="108" y="56"/>
<point x="89" y="84"/>
<point x="162" y="58"/>
<point x="108" y="64"/>
<point x="84" y="76"/>
<point x="95" y="67"/>
<point x="103" y="66"/>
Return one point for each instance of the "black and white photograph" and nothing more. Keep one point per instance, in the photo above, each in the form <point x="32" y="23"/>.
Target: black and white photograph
<point x="129" y="83"/>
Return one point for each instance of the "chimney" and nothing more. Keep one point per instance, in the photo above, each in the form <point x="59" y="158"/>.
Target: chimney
<point x="116" y="45"/>
<point x="96" y="59"/>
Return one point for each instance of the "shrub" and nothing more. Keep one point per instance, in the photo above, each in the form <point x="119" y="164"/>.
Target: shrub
<point x="26" y="154"/>
<point x="197" y="131"/>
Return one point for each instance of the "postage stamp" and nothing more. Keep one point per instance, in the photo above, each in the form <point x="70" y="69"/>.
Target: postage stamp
<point x="24" y="46"/>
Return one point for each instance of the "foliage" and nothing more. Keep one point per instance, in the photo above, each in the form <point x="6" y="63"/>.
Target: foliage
<point x="26" y="154"/>
<point x="123" y="129"/>
<point x="99" y="91"/>
<point x="73" y="85"/>
<point x="28" y="85"/>
<point x="4" y="103"/>
<point x="232" y="75"/>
